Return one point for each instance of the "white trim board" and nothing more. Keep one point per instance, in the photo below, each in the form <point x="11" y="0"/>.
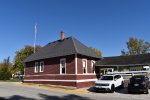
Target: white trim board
<point x="61" y="74"/>
<point x="76" y="64"/>
<point x="47" y="80"/>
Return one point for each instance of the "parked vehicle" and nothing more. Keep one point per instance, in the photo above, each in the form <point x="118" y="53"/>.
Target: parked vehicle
<point x="108" y="83"/>
<point x="138" y="83"/>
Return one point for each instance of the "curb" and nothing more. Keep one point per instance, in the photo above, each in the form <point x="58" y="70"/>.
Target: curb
<point x="53" y="88"/>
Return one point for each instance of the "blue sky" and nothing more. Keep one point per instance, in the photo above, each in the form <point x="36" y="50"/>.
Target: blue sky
<point x="103" y="24"/>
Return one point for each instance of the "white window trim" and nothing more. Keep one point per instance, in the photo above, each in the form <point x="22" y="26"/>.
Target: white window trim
<point x="36" y="69"/>
<point x="63" y="59"/>
<point x="43" y="66"/>
<point x="92" y="61"/>
<point x="85" y="66"/>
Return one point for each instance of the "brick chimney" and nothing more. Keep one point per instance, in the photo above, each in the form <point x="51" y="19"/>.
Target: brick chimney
<point x="62" y="35"/>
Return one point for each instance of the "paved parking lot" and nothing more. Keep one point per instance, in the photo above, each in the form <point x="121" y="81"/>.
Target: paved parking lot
<point x="13" y="91"/>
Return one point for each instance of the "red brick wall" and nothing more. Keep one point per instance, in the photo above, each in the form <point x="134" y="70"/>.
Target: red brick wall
<point x="72" y="84"/>
<point x="84" y="84"/>
<point x="86" y="77"/>
<point x="53" y="77"/>
<point x="79" y="60"/>
<point x="62" y="77"/>
<point x="52" y="66"/>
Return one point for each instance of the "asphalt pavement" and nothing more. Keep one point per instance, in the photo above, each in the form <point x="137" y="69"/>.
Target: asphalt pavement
<point x="14" y="91"/>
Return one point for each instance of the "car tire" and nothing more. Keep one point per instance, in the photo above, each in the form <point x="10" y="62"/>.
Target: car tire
<point x="122" y="84"/>
<point x="112" y="88"/>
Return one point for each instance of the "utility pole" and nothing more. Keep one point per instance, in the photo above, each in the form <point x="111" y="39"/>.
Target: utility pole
<point x="35" y="32"/>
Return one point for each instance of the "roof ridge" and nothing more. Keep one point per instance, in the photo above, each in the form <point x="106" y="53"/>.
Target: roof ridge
<point x="74" y="44"/>
<point x="59" y="40"/>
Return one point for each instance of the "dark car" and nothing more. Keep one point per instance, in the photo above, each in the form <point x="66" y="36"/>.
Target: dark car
<point x="139" y="83"/>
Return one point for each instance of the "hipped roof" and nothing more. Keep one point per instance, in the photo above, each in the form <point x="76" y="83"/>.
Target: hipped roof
<point x="58" y="48"/>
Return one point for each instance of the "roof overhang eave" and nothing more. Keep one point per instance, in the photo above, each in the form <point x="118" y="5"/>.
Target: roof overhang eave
<point x="126" y="65"/>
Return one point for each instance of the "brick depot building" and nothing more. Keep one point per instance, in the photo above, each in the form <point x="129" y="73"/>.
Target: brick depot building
<point x="65" y="62"/>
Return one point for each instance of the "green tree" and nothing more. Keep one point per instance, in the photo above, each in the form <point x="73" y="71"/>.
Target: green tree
<point x="21" y="55"/>
<point x="5" y="69"/>
<point x="136" y="46"/>
<point x="98" y="52"/>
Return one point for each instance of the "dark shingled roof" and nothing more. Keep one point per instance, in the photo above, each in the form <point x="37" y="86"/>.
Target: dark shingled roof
<point x="142" y="59"/>
<point x="58" y="48"/>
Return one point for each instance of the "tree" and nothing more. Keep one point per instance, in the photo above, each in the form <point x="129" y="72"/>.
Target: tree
<point x="98" y="52"/>
<point x="136" y="46"/>
<point x="5" y="69"/>
<point x="21" y="55"/>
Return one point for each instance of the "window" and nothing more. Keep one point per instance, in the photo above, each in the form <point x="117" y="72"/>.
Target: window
<point x="116" y="77"/>
<point x="84" y="66"/>
<point x="41" y="66"/>
<point x="36" y="67"/>
<point x="92" y="66"/>
<point x="62" y="66"/>
<point x="106" y="78"/>
<point x="119" y="76"/>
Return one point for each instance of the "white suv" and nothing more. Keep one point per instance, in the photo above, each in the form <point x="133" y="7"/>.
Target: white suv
<point x="108" y="83"/>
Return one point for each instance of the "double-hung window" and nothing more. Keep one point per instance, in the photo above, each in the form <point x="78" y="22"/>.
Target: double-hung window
<point x="63" y="66"/>
<point x="84" y="66"/>
<point x="92" y="66"/>
<point x="41" y="66"/>
<point x="36" y="67"/>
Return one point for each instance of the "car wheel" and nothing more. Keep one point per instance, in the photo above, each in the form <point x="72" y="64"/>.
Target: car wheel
<point x="112" y="88"/>
<point x="122" y="84"/>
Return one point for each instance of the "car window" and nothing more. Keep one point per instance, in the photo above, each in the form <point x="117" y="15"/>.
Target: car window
<point x="116" y="77"/>
<point x="119" y="76"/>
<point x="137" y="79"/>
<point x="107" y="78"/>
